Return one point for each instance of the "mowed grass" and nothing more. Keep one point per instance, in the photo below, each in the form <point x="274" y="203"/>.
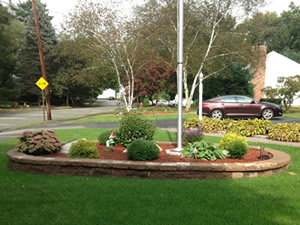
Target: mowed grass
<point x="115" y="118"/>
<point x="39" y="199"/>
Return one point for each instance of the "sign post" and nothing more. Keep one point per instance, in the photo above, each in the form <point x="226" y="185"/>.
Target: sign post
<point x="42" y="84"/>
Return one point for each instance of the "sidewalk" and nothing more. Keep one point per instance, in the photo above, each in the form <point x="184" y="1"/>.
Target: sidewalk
<point x="252" y="139"/>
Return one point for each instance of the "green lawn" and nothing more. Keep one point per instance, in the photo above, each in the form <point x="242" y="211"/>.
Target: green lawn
<point x="28" y="199"/>
<point x="292" y="115"/>
<point x="114" y="118"/>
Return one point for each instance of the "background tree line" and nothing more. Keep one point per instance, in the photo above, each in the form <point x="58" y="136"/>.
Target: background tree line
<point x="101" y="48"/>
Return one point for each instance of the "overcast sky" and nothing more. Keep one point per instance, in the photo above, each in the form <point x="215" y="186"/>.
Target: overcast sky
<point x="60" y="8"/>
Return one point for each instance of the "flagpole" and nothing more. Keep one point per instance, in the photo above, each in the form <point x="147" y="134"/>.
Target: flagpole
<point x="180" y="15"/>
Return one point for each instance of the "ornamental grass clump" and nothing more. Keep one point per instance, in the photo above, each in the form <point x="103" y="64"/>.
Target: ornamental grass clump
<point x="191" y="135"/>
<point x="38" y="142"/>
<point x="84" y="149"/>
<point x="141" y="150"/>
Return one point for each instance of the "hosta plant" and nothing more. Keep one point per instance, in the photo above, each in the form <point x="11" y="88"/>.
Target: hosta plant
<point x="38" y="142"/>
<point x="285" y="132"/>
<point x="202" y="150"/>
<point x="191" y="123"/>
<point x="250" y="127"/>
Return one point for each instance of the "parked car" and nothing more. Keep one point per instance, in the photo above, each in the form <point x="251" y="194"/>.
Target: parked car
<point x="162" y="102"/>
<point x="173" y="103"/>
<point x="239" y="106"/>
<point x="111" y="98"/>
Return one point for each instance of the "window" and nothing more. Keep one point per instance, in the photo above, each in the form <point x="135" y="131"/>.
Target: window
<point x="244" y="99"/>
<point x="228" y="99"/>
<point x="280" y="79"/>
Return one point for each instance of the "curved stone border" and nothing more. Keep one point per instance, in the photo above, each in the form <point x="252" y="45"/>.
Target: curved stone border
<point x="97" y="167"/>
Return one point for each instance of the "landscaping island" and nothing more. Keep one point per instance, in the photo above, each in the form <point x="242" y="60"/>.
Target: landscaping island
<point x="149" y="169"/>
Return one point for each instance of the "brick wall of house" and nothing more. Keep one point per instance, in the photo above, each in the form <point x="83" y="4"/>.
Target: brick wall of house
<point x="260" y="72"/>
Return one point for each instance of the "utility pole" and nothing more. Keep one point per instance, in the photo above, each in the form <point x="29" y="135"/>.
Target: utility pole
<point x="37" y="27"/>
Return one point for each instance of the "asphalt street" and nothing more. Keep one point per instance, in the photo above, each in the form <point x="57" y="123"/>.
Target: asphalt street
<point x="10" y="121"/>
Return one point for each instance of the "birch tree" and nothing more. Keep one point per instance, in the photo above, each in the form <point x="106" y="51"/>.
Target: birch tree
<point x="210" y="37"/>
<point x="115" y="38"/>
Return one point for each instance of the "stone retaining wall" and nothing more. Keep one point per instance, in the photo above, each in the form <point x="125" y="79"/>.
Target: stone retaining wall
<point x="114" y="168"/>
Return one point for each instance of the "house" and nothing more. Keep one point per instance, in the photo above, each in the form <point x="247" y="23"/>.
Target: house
<point x="271" y="71"/>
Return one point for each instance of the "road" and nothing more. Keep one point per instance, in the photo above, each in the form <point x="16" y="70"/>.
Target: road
<point x="12" y="120"/>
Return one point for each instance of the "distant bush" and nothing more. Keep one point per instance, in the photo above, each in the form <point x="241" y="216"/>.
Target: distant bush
<point x="146" y="102"/>
<point x="38" y="142"/>
<point x="285" y="132"/>
<point x="142" y="150"/>
<point x="84" y="149"/>
<point x="272" y="100"/>
<point x="134" y="127"/>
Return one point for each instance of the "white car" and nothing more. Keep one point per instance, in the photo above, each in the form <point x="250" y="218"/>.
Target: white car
<point x="175" y="103"/>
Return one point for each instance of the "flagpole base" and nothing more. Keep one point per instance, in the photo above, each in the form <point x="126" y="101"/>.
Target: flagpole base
<point x="175" y="151"/>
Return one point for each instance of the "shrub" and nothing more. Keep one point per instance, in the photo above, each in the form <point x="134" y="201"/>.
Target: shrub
<point x="142" y="150"/>
<point x="228" y="139"/>
<point x="238" y="149"/>
<point x="272" y="100"/>
<point x="202" y="150"/>
<point x="38" y="142"/>
<point x="191" y="123"/>
<point x="104" y="136"/>
<point x="133" y="127"/>
<point x="285" y="132"/>
<point x="192" y="135"/>
<point x="146" y="102"/>
<point x="83" y="149"/>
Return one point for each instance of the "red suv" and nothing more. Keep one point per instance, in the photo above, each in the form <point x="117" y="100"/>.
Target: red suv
<point x="239" y="106"/>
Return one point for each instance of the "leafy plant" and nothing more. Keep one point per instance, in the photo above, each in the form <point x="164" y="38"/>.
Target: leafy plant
<point x="285" y="132"/>
<point x="238" y="149"/>
<point x="250" y="127"/>
<point x="109" y="149"/>
<point x="210" y="125"/>
<point x="228" y="139"/>
<point x="141" y="149"/>
<point x="202" y="150"/>
<point x="104" y="136"/>
<point x="191" y="135"/>
<point x="133" y="127"/>
<point x="191" y="123"/>
<point x="38" y="142"/>
<point x="84" y="149"/>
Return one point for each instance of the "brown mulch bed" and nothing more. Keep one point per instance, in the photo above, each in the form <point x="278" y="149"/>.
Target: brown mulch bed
<point x="117" y="154"/>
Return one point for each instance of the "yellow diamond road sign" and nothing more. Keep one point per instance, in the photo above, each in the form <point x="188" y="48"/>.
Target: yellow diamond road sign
<point x="42" y="83"/>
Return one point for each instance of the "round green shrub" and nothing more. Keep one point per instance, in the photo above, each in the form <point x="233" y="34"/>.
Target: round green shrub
<point x="228" y="139"/>
<point x="133" y="127"/>
<point x="38" y="142"/>
<point x="238" y="149"/>
<point x="142" y="150"/>
<point x="84" y="149"/>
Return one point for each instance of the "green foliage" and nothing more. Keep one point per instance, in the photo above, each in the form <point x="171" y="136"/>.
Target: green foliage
<point x="8" y="104"/>
<point x="250" y="127"/>
<point x="109" y="149"/>
<point x="133" y="127"/>
<point x="210" y="125"/>
<point x="191" y="123"/>
<point x="202" y="150"/>
<point x="38" y="142"/>
<point x="237" y="79"/>
<point x="228" y="140"/>
<point x="191" y="135"/>
<point x="141" y="150"/>
<point x="84" y="149"/>
<point x="238" y="149"/>
<point x="104" y="136"/>
<point x="146" y="102"/>
<point x="272" y="100"/>
<point x="285" y="132"/>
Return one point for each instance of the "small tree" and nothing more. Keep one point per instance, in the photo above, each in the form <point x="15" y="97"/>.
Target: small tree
<point x="287" y="92"/>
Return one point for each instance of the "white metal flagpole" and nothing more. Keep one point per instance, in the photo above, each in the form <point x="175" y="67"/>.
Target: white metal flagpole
<point x="180" y="5"/>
